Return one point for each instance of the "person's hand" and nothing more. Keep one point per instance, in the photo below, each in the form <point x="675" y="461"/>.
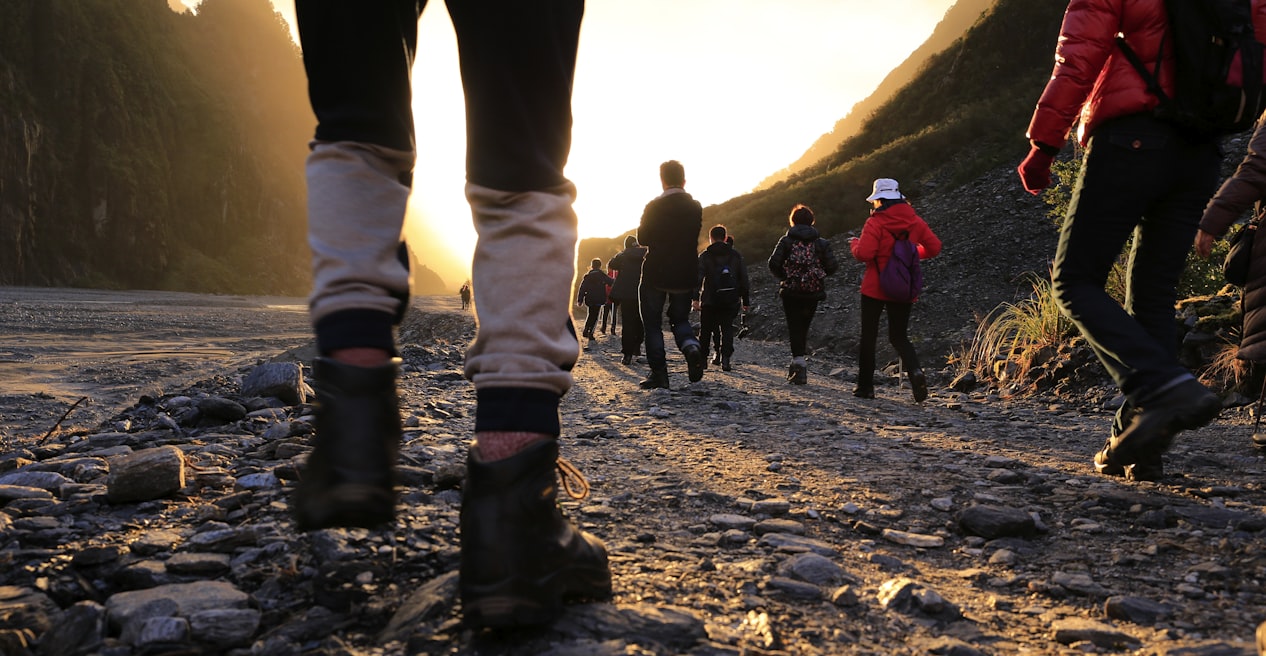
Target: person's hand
<point x="695" y="305"/>
<point x="1035" y="171"/>
<point x="1204" y="244"/>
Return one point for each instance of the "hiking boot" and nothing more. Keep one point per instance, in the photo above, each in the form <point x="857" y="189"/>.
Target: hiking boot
<point x="349" y="480"/>
<point x="658" y="379"/>
<point x="694" y="362"/>
<point x="1151" y="467"/>
<point x="520" y="557"/>
<point x="716" y="358"/>
<point x="919" y="385"/>
<point x="797" y="374"/>
<point x="864" y="392"/>
<point x="626" y="360"/>
<point x="1185" y="406"/>
<point x="725" y="364"/>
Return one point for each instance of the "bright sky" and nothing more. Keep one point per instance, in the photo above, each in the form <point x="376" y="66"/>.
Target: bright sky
<point x="734" y="89"/>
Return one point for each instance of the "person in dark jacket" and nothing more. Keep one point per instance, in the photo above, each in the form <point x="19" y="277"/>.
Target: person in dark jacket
<point x="669" y="230"/>
<point x="802" y="284"/>
<point x="1236" y="196"/>
<point x="628" y="264"/>
<point x="890" y="215"/>
<point x="593" y="294"/>
<point x="1141" y="175"/>
<point x="723" y="292"/>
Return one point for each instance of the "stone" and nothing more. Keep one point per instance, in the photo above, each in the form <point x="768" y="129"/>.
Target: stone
<point x="1070" y="630"/>
<point x="44" y="480"/>
<point x="787" y="541"/>
<point x="913" y="539"/>
<point x="731" y="521"/>
<point x="80" y="630"/>
<point x="225" y="627"/>
<point x="159" y="630"/>
<point x="674" y="630"/>
<point x="812" y="568"/>
<point x="778" y="526"/>
<point x="428" y="602"/>
<point x="283" y="380"/>
<point x="992" y="522"/>
<point x="1136" y="610"/>
<point x="144" y="475"/>
<point x="774" y="507"/>
<point x="794" y="588"/>
<point x="221" y="409"/>
<point x="188" y="598"/>
<point x="198" y="564"/>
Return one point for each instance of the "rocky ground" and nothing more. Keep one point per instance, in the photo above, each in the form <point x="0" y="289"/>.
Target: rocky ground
<point x="743" y="516"/>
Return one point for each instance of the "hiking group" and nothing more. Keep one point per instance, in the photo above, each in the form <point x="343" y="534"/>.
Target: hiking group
<point x="1146" y="172"/>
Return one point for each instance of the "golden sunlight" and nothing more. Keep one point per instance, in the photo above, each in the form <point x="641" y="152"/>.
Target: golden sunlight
<point x="734" y="90"/>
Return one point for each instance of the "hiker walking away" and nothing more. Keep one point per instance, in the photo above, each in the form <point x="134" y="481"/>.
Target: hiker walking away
<point x="715" y="336"/>
<point x="627" y="264"/>
<point x="723" y="292"/>
<point x="593" y="294"/>
<point x="464" y="293"/>
<point x="608" y="308"/>
<point x="1147" y="173"/>
<point x="891" y="218"/>
<point x="1236" y="196"/>
<point x="520" y="557"/>
<point x="669" y="229"/>
<point x="801" y="261"/>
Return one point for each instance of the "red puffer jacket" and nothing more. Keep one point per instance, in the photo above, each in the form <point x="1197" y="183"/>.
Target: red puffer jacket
<point x="1093" y="78"/>
<point x="874" y="247"/>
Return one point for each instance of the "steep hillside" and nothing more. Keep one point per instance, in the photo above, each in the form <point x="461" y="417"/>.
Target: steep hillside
<point x="961" y="16"/>
<point x="144" y="148"/>
<point x="963" y="114"/>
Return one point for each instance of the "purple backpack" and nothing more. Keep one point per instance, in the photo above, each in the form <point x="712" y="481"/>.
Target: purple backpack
<point x="901" y="279"/>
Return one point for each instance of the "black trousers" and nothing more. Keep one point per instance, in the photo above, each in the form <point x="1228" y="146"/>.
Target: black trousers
<point x="799" y="314"/>
<point x="898" y="326"/>
<point x="718" y="318"/>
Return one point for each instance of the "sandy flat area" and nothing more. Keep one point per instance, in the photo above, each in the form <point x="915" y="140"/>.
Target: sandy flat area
<point x="60" y="345"/>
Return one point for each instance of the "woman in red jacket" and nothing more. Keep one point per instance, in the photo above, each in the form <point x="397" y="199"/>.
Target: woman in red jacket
<point x="889" y="216"/>
<point x="1144" y="177"/>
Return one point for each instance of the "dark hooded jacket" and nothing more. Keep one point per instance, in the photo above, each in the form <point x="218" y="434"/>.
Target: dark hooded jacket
<point x="670" y="232"/>
<point x="628" y="264"/>
<point x="711" y="260"/>
<point x="1237" y="196"/>
<point x="803" y="232"/>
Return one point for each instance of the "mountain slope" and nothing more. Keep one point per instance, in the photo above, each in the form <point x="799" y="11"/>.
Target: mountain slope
<point x="958" y="19"/>
<point x="144" y="148"/>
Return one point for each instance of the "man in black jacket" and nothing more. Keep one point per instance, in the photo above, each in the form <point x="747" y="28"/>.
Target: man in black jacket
<point x="628" y="265"/>
<point x="669" y="230"/>
<point x="723" y="292"/>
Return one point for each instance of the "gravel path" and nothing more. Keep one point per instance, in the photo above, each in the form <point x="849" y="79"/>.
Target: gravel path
<point x="743" y="516"/>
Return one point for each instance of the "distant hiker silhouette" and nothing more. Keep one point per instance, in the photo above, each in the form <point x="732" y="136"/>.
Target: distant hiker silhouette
<point x="669" y="229"/>
<point x="628" y="267"/>
<point x="520" y="557"/>
<point x="723" y="293"/>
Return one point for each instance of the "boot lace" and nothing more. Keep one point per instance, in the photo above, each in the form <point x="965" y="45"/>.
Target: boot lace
<point x="574" y="483"/>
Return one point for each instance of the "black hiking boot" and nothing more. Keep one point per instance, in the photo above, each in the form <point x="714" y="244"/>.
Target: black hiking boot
<point x="797" y="374"/>
<point x="349" y="480"/>
<point x="658" y="379"/>
<point x="520" y="557"/>
<point x="627" y="359"/>
<point x="725" y="364"/>
<point x="919" y="385"/>
<point x="864" y="392"/>
<point x="1186" y="406"/>
<point x="694" y="362"/>
<point x="716" y="358"/>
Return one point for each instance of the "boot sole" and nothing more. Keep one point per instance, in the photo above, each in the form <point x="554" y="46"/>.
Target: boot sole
<point x="1153" y="433"/>
<point x="694" y="365"/>
<point x="497" y="606"/>
<point x="344" y="506"/>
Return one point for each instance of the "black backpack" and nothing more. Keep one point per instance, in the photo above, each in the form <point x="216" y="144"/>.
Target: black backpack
<point x="725" y="289"/>
<point x="1217" y="69"/>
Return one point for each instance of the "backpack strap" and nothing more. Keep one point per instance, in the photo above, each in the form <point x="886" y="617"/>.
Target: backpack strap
<point x="1153" y="84"/>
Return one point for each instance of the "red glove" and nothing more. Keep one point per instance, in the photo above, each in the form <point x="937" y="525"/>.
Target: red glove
<point x="1035" y="171"/>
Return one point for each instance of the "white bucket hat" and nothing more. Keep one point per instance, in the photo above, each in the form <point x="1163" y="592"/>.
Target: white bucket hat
<point x="885" y="188"/>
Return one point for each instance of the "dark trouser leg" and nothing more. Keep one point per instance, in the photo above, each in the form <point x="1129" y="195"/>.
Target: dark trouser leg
<point x="679" y="320"/>
<point x="726" y="329"/>
<point x="898" y="329"/>
<point x="709" y="323"/>
<point x="632" y="334"/>
<point x="1139" y="177"/>
<point x="652" y="303"/>
<point x="799" y="313"/>
<point x="591" y="318"/>
<point x="871" y="309"/>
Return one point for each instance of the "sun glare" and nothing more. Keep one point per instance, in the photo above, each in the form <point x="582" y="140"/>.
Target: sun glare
<point x="735" y="91"/>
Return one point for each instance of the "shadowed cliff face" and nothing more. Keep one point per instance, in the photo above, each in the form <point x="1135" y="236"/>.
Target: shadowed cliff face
<point x="144" y="148"/>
